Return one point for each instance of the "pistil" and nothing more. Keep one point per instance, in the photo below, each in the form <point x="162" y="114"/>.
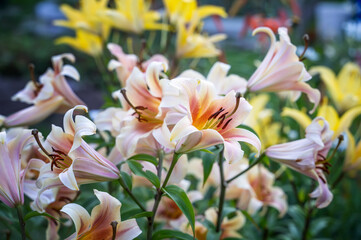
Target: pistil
<point x="306" y="39"/>
<point x="37" y="85"/>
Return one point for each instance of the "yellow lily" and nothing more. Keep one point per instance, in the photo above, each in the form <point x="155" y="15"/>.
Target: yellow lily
<point x="345" y="89"/>
<point x="133" y="16"/>
<point x="260" y="120"/>
<point x="337" y="124"/>
<point x="191" y="44"/>
<point x="84" y="41"/>
<point x="353" y="155"/>
<point x="86" y="18"/>
<point x="185" y="10"/>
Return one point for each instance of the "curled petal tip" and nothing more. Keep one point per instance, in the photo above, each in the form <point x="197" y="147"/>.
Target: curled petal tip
<point x="266" y="30"/>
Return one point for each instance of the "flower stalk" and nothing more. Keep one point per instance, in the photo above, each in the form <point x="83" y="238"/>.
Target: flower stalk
<point x="21" y="222"/>
<point x="159" y="193"/>
<point x="223" y="191"/>
<point x="124" y="186"/>
<point x="247" y="169"/>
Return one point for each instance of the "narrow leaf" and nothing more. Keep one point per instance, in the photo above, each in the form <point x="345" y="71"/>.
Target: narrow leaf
<point x="250" y="218"/>
<point x="35" y="214"/>
<point x="178" y="195"/>
<point x="143" y="214"/>
<point x="208" y="159"/>
<point x="127" y="179"/>
<point x="145" y="157"/>
<point x="137" y="169"/>
<point x="167" y="234"/>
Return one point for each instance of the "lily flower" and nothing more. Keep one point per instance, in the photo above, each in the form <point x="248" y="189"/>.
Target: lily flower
<point x="229" y="226"/>
<point x="133" y="16"/>
<point x="255" y="189"/>
<point x="73" y="161"/>
<point x="281" y="69"/>
<point x="308" y="156"/>
<point x="345" y="89"/>
<point x="192" y="44"/>
<point x="125" y="63"/>
<point x="11" y="174"/>
<point x="218" y="76"/>
<point x="86" y="17"/>
<point x="179" y="10"/>
<point x="104" y="219"/>
<point x="200" y="119"/>
<point x="337" y="123"/>
<point x="51" y="94"/>
<point x="83" y="41"/>
<point x="141" y="98"/>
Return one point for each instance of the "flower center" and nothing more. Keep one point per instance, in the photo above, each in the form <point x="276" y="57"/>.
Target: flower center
<point x="220" y="120"/>
<point x="59" y="159"/>
<point x="137" y="109"/>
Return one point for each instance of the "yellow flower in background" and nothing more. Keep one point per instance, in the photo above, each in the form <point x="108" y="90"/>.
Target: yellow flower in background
<point x="192" y="44"/>
<point x="353" y="155"/>
<point x="260" y="120"/>
<point x="133" y="16"/>
<point x="345" y="89"/>
<point x="337" y="124"/>
<point x="185" y="10"/>
<point x="83" y="41"/>
<point x="86" y="18"/>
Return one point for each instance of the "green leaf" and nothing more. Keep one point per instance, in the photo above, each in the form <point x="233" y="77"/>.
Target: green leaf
<point x="144" y="157"/>
<point x="181" y="199"/>
<point x="137" y="169"/>
<point x="208" y="159"/>
<point x="250" y="218"/>
<point x="167" y="233"/>
<point x="143" y="214"/>
<point x="35" y="214"/>
<point x="127" y="180"/>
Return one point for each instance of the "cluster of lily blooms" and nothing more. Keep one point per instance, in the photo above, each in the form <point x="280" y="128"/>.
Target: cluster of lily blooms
<point x="184" y="114"/>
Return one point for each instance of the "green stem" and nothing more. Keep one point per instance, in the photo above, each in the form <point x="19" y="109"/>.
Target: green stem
<point x="160" y="164"/>
<point x="176" y="156"/>
<point x="250" y="166"/>
<point x="223" y="191"/>
<point x="124" y="186"/>
<point x="159" y="193"/>
<point x="21" y="222"/>
<point x="307" y="222"/>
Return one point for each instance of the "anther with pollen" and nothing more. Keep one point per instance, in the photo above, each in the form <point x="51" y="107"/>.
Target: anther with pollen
<point x="306" y="39"/>
<point x="137" y="109"/>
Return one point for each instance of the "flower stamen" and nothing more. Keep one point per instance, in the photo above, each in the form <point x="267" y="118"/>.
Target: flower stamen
<point x="59" y="158"/>
<point x="137" y="109"/>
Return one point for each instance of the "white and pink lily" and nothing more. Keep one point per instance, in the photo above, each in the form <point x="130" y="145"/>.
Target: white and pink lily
<point x="99" y="225"/>
<point x="73" y="161"/>
<point x="12" y="175"/>
<point x="51" y="94"/>
<point x="218" y="76"/>
<point x="198" y="118"/>
<point x="281" y="69"/>
<point x="255" y="189"/>
<point x="141" y="99"/>
<point x="308" y="156"/>
<point x="125" y="63"/>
